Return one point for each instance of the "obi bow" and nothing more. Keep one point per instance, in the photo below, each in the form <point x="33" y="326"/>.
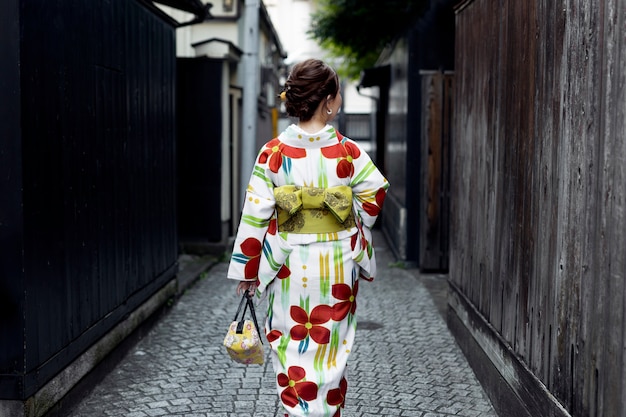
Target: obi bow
<point x="292" y="200"/>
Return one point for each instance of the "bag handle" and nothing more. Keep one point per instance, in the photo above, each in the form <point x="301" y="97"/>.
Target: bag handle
<point x="243" y="299"/>
<point x="249" y="303"/>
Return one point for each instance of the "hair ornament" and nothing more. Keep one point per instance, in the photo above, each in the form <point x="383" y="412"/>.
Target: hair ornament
<point x="283" y="96"/>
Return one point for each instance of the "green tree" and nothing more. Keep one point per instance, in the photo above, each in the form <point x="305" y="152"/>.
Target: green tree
<point x="357" y="31"/>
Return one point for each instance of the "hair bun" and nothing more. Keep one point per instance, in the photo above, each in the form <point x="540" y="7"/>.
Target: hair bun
<point x="309" y="82"/>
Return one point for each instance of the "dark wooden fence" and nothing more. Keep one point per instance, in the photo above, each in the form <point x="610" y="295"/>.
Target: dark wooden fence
<point x="408" y="108"/>
<point x="88" y="226"/>
<point x="538" y="223"/>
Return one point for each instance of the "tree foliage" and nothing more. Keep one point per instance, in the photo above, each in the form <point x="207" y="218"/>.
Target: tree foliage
<point x="357" y="31"/>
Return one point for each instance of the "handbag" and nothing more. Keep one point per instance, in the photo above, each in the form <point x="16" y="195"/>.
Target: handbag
<point x="243" y="342"/>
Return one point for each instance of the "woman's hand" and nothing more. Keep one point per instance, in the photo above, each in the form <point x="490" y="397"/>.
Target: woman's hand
<point x="249" y="286"/>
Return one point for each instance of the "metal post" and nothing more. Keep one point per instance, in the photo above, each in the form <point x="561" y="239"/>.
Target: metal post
<point x="250" y="63"/>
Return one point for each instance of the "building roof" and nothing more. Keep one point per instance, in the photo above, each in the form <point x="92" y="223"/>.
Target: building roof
<point x="200" y="10"/>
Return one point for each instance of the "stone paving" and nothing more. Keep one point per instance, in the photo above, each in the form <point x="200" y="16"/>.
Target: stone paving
<point x="405" y="362"/>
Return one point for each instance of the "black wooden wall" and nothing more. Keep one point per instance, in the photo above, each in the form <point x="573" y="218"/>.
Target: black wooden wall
<point x="11" y="239"/>
<point x="88" y="210"/>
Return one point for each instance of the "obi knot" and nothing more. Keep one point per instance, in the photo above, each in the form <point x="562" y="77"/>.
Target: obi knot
<point x="307" y="209"/>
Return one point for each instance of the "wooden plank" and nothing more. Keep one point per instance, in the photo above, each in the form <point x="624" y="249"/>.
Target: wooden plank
<point x="611" y="245"/>
<point x="435" y="163"/>
<point x="11" y="213"/>
<point x="547" y="108"/>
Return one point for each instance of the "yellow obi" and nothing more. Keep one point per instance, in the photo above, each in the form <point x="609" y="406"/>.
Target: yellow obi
<point x="314" y="210"/>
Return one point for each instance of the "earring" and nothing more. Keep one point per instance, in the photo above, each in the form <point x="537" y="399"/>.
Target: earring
<point x="329" y="111"/>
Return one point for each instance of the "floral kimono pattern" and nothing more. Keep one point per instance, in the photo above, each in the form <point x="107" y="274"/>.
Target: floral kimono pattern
<point x="311" y="279"/>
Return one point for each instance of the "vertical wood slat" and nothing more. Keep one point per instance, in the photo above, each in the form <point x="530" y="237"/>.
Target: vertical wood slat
<point x="537" y="196"/>
<point x="435" y="135"/>
<point x="611" y="245"/>
<point x="11" y="179"/>
<point x="547" y="151"/>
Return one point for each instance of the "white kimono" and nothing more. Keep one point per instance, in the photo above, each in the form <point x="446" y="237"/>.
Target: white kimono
<point x="307" y="252"/>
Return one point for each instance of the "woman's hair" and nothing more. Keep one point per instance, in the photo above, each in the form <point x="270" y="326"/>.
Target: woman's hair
<point x="309" y="83"/>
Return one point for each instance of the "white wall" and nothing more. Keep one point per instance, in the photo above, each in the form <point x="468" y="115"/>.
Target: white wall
<point x="291" y="18"/>
<point x="215" y="28"/>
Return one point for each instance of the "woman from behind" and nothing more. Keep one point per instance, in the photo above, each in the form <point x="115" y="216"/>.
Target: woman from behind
<point x="305" y="241"/>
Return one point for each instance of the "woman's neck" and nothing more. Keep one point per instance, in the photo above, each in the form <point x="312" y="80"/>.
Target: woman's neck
<point x="312" y="126"/>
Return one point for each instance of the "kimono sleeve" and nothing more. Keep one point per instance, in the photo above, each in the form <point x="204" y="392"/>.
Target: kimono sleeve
<point x="256" y="219"/>
<point x="369" y="188"/>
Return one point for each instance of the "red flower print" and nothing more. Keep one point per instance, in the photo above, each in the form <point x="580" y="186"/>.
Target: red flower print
<point x="272" y="227"/>
<point x="311" y="325"/>
<point x="355" y="239"/>
<point x="345" y="167"/>
<point x="335" y="151"/>
<point x="283" y="272"/>
<point x="274" y="151"/>
<point x="251" y="248"/>
<point x="274" y="335"/>
<point x="374" y="209"/>
<point x="347" y="152"/>
<point x="337" y="396"/>
<point x="296" y="387"/>
<point x="380" y="197"/>
<point x="371" y="209"/>
<point x="348" y="304"/>
<point x="363" y="241"/>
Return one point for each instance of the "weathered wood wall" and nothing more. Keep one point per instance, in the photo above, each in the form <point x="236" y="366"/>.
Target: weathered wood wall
<point x="538" y="219"/>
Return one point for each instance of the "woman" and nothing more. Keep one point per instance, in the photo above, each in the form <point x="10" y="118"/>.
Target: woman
<point x="305" y="239"/>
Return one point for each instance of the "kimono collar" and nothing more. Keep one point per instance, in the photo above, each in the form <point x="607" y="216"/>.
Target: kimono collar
<point x="295" y="136"/>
